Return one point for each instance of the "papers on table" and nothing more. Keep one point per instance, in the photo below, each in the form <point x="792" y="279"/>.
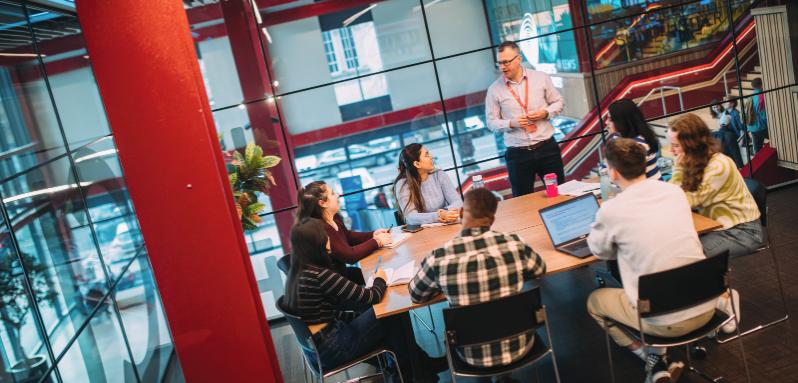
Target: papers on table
<point x="397" y="276"/>
<point x="436" y="224"/>
<point x="577" y="188"/>
<point x="397" y="238"/>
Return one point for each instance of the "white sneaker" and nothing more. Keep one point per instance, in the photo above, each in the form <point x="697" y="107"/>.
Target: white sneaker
<point x="657" y="370"/>
<point x="725" y="305"/>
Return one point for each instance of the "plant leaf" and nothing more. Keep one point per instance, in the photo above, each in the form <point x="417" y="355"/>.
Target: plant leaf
<point x="270" y="161"/>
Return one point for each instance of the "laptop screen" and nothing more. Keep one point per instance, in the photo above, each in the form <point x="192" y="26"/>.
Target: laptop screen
<point x="570" y="219"/>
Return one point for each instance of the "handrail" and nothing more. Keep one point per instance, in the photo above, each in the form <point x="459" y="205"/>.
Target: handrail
<point x="661" y="90"/>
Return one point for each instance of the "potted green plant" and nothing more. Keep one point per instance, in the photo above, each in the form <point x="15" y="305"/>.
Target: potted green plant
<point x="16" y="306"/>
<point x="249" y="175"/>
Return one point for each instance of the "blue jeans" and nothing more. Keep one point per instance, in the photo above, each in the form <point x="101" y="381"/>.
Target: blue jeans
<point x="759" y="139"/>
<point x="728" y="143"/>
<point x="740" y="240"/>
<point x="341" y="342"/>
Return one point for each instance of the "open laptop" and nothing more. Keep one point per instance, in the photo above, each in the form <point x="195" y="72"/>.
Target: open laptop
<point x="568" y="224"/>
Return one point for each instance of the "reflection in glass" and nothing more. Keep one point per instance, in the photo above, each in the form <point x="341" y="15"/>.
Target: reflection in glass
<point x="69" y="76"/>
<point x="357" y="41"/>
<point x="468" y="33"/>
<point x="331" y="149"/>
<point x="266" y="246"/>
<point x="21" y="343"/>
<point x="109" y="204"/>
<point x="662" y="31"/>
<point x="29" y="132"/>
<point x="99" y="353"/>
<point x="522" y="21"/>
<point x="143" y="319"/>
<point x="51" y="225"/>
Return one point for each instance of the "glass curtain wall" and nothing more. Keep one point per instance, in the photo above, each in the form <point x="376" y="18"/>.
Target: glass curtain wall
<point x="349" y="83"/>
<point x="79" y="301"/>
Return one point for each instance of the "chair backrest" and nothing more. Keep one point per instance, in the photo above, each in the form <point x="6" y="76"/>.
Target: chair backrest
<point x="760" y="194"/>
<point x="301" y="330"/>
<point x="397" y="215"/>
<point x="683" y="287"/>
<point x="284" y="263"/>
<point x="494" y="320"/>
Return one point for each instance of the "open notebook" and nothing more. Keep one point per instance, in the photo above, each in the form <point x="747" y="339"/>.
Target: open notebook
<point x="397" y="238"/>
<point x="398" y="276"/>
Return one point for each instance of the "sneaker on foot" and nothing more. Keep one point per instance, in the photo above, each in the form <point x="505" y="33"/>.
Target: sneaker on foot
<point x="675" y="369"/>
<point x="657" y="370"/>
<point x="725" y="305"/>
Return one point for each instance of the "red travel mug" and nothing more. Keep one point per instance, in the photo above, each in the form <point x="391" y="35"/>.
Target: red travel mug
<point x="550" y="180"/>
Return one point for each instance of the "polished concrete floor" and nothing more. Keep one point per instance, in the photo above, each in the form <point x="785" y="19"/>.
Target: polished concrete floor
<point x="771" y="354"/>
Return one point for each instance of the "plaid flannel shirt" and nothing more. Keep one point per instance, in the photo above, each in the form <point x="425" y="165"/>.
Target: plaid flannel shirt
<point x="478" y="266"/>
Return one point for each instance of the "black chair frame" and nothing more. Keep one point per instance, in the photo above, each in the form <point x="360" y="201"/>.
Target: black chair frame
<point x="306" y="342"/>
<point x="676" y="290"/>
<point x="478" y="324"/>
<point x="759" y="192"/>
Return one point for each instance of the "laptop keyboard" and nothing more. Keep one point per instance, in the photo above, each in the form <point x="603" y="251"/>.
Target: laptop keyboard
<point x="576" y="246"/>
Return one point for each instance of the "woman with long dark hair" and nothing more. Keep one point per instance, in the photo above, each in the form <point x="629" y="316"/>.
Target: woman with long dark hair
<point x="714" y="187"/>
<point x="424" y="194"/>
<point x="626" y="120"/>
<point x="318" y="200"/>
<point x="319" y="295"/>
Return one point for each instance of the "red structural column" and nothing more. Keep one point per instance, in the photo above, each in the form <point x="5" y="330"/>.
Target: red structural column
<point x="255" y="82"/>
<point x="149" y="79"/>
<point x="581" y="35"/>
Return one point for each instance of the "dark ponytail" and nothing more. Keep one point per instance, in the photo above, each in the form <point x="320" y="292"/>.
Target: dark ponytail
<point x="630" y="123"/>
<point x="308" y="198"/>
<point x="407" y="171"/>
<point x="308" y="247"/>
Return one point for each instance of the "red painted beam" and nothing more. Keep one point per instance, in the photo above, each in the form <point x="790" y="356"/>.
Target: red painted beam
<point x="253" y="75"/>
<point x="385" y="119"/>
<point x="179" y="186"/>
<point x="312" y="10"/>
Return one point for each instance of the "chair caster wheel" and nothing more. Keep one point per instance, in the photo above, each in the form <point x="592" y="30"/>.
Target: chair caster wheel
<point x="698" y="352"/>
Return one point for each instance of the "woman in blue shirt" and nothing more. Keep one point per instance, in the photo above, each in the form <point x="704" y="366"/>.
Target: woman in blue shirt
<point x="424" y="194"/>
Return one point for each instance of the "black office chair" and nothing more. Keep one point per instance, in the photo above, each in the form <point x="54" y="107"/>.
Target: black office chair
<point x="284" y="263"/>
<point x="308" y="346"/>
<point x="759" y="192"/>
<point x="400" y="219"/>
<point x="478" y="324"/>
<point x="676" y="290"/>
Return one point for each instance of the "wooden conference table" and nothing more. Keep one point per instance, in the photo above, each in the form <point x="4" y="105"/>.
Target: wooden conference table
<point x="517" y="215"/>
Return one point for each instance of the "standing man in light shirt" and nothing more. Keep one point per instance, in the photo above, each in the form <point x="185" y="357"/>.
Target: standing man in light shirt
<point x="520" y="104"/>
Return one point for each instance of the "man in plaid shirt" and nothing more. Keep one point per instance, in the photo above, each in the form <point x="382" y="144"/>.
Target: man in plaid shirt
<point x="478" y="266"/>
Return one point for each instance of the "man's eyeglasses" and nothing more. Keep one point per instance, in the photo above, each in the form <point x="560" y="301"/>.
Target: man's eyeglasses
<point x="507" y="62"/>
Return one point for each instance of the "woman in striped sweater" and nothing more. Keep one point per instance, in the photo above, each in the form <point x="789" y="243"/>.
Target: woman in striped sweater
<point x="320" y="295"/>
<point x="626" y="120"/>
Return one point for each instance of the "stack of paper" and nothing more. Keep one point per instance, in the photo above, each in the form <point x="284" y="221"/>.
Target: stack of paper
<point x="397" y="238"/>
<point x="577" y="188"/>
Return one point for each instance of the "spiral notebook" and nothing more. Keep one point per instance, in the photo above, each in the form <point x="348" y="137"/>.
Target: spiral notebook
<point x="397" y="276"/>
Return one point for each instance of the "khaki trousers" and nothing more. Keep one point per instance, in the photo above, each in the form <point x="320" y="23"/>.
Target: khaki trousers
<point x="613" y="303"/>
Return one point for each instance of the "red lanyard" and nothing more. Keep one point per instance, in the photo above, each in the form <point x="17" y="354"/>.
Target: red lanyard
<point x="524" y="104"/>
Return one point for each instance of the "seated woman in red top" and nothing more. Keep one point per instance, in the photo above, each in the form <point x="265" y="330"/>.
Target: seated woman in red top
<point x="317" y="200"/>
